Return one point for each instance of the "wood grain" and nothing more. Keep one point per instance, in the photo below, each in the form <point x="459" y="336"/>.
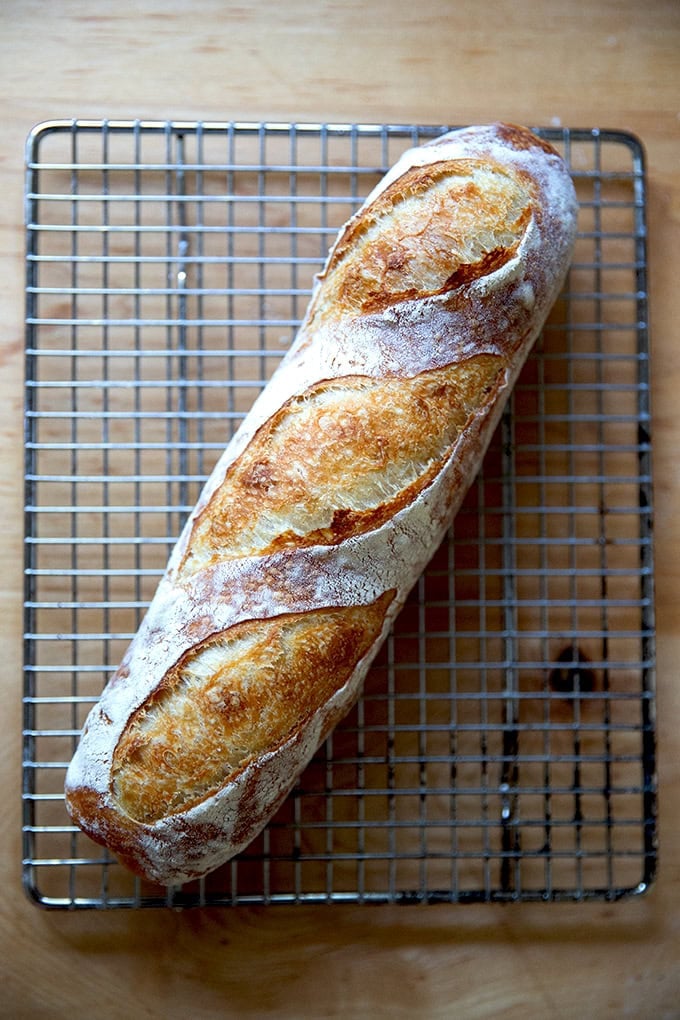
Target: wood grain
<point x="613" y="64"/>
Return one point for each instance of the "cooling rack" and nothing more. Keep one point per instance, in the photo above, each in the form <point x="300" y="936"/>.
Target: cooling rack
<point x="504" y="747"/>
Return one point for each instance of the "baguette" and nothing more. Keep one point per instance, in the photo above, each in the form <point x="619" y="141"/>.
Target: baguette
<point x="328" y="503"/>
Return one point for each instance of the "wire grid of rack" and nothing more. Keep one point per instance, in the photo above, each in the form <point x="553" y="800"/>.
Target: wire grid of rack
<point x="504" y="746"/>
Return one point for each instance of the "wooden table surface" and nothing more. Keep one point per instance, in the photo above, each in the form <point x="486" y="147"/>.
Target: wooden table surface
<point x="609" y="64"/>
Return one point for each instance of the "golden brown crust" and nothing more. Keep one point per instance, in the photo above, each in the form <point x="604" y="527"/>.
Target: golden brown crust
<point x="237" y="695"/>
<point x="339" y="459"/>
<point x="522" y="140"/>
<point x="403" y="248"/>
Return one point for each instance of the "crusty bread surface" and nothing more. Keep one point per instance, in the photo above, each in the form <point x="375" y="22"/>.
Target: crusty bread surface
<point x="328" y="502"/>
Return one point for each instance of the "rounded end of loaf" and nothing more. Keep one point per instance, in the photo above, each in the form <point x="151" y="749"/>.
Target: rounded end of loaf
<point x="451" y="215"/>
<point x="231" y="725"/>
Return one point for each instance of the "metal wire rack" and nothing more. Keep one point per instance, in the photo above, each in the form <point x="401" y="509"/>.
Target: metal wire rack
<point x="504" y="746"/>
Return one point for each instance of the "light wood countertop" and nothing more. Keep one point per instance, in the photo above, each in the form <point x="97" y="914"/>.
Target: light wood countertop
<point x="612" y="64"/>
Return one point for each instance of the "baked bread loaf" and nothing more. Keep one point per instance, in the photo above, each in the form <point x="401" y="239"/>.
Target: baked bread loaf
<point x="328" y="503"/>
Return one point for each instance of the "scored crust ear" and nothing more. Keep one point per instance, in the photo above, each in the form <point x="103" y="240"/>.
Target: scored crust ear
<point x="339" y="460"/>
<point x="401" y="248"/>
<point x="238" y="695"/>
